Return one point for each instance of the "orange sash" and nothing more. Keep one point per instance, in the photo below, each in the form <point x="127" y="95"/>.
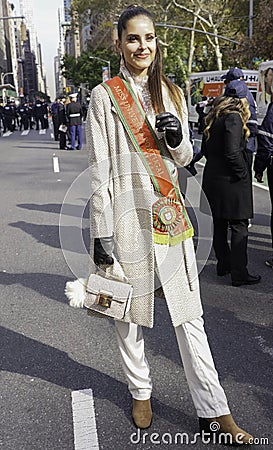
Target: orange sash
<point x="170" y="219"/>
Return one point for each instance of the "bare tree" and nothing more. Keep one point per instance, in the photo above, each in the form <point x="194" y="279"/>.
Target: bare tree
<point x="209" y="16"/>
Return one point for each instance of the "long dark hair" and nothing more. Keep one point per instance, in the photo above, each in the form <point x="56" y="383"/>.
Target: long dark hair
<point x="155" y="71"/>
<point x="224" y="105"/>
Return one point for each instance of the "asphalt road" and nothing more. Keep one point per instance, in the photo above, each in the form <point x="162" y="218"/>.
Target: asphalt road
<point x="49" y="350"/>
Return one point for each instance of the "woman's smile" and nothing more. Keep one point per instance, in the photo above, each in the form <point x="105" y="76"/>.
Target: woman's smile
<point x="142" y="55"/>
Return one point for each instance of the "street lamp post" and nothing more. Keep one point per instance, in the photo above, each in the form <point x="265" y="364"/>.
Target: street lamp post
<point x="250" y="26"/>
<point x="250" y="19"/>
<point x="104" y="60"/>
<point x="3" y="76"/>
<point x="8" y="73"/>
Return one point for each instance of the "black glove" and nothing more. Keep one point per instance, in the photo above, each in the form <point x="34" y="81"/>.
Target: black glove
<point x="171" y="125"/>
<point x="103" y="249"/>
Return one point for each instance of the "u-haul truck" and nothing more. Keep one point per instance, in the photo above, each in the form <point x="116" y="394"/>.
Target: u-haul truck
<point x="209" y="84"/>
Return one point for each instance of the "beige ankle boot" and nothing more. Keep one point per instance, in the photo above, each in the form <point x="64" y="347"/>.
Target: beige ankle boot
<point x="142" y="413"/>
<point x="234" y="434"/>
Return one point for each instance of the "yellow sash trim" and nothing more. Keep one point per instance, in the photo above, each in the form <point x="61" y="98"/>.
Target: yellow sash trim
<point x="166" y="239"/>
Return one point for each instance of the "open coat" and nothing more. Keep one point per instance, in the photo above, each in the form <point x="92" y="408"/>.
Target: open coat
<point x="121" y="206"/>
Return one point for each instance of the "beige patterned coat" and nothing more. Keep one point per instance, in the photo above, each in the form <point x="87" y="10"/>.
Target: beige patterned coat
<point x="121" y="205"/>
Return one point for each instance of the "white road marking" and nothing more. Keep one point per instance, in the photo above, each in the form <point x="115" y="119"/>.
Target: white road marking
<point x="261" y="186"/>
<point x="84" y="420"/>
<point x="56" y="166"/>
<point x="7" y="133"/>
<point x="42" y="131"/>
<point x="25" y="133"/>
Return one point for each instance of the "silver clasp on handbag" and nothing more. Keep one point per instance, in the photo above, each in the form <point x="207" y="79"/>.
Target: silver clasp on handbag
<point x="104" y="298"/>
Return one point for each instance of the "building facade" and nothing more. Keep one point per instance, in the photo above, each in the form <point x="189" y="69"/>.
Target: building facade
<point x="32" y="46"/>
<point x="67" y="6"/>
<point x="8" y="56"/>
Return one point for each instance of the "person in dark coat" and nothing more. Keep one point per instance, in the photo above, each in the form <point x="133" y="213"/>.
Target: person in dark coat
<point x="23" y="115"/>
<point x="264" y="160"/>
<point x="200" y="109"/>
<point x="38" y="114"/>
<point x="9" y="115"/>
<point x="54" y="112"/>
<point x="45" y="113"/>
<point x="62" y="121"/>
<point x="227" y="181"/>
<point x="74" y="114"/>
<point x="31" y="122"/>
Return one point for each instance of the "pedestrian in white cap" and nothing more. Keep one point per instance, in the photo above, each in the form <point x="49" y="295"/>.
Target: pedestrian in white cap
<point x="74" y="114"/>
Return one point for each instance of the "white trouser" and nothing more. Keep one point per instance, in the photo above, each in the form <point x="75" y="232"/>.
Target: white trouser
<point x="207" y="394"/>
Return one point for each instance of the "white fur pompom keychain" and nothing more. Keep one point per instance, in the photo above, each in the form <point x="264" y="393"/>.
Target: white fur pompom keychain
<point x="75" y="292"/>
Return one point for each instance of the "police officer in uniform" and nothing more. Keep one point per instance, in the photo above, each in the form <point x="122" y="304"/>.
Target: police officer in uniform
<point x="74" y="114"/>
<point x="45" y="113"/>
<point x="9" y="117"/>
<point x="23" y="115"/>
<point x="29" y="107"/>
<point x="38" y="114"/>
<point x="54" y="113"/>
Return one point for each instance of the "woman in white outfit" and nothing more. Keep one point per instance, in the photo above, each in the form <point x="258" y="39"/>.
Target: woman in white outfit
<point x="142" y="226"/>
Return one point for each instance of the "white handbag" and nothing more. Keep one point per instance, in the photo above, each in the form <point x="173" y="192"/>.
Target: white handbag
<point x="104" y="295"/>
<point x="108" y="297"/>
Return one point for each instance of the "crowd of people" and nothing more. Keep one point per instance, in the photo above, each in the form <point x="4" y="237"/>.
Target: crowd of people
<point x="231" y="125"/>
<point x="67" y="116"/>
<point x="25" y="116"/>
